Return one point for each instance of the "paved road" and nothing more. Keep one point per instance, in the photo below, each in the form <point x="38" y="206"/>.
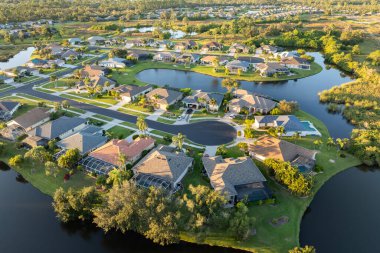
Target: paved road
<point x="205" y="132"/>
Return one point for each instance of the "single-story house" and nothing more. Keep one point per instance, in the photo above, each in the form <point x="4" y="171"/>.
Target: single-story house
<point x="55" y="49"/>
<point x="164" y="97"/>
<point x="162" y="167"/>
<point x="235" y="65"/>
<point x="35" y="141"/>
<point x="212" y="46"/>
<point x="270" y="147"/>
<point x="5" y="79"/>
<point x="210" y="60"/>
<point x="139" y="55"/>
<point x="128" y="93"/>
<point x="271" y="68"/>
<point x="93" y="70"/>
<point x="59" y="128"/>
<point x="268" y="49"/>
<point x="96" y="40"/>
<point x="74" y="41"/>
<point x="135" y="43"/>
<point x="252" y="103"/>
<point x="86" y="140"/>
<point x="21" y="71"/>
<point x="237" y="178"/>
<point x="290" y="123"/>
<point x="113" y="63"/>
<point x="102" y="81"/>
<point x="209" y="100"/>
<point x="286" y="54"/>
<point x="70" y="54"/>
<point x="7" y="109"/>
<point x="164" y="56"/>
<point x="185" y="45"/>
<point x="252" y="60"/>
<point x="187" y="58"/>
<point x="31" y="119"/>
<point x="295" y="63"/>
<point x="37" y="63"/>
<point x="238" y="48"/>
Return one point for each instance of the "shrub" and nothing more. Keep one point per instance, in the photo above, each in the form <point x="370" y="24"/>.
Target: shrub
<point x="134" y="137"/>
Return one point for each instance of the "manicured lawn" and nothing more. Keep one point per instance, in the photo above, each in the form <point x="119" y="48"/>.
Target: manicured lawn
<point x="96" y="122"/>
<point x="129" y="124"/>
<point x="134" y="113"/>
<point x="50" y="71"/>
<point x="120" y="132"/>
<point x="100" y="116"/>
<point x="25" y="79"/>
<point x="166" y="121"/>
<point x="136" y="107"/>
<point x="82" y="100"/>
<point x="35" y="174"/>
<point x="60" y="84"/>
<point x="281" y="238"/>
<point x="103" y="99"/>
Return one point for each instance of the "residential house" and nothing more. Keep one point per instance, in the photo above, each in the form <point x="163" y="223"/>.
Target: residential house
<point x="31" y="119"/>
<point x="45" y="64"/>
<point x="135" y="43"/>
<point x="96" y="40"/>
<point x="209" y="100"/>
<point x="86" y="140"/>
<point x="271" y="68"/>
<point x="210" y="60"/>
<point x="70" y="54"/>
<point x="94" y="81"/>
<point x="286" y="54"/>
<point x="139" y="55"/>
<point x="165" y="57"/>
<point x="93" y="70"/>
<point x="185" y="45"/>
<point x="5" y="79"/>
<point x="129" y="93"/>
<point x="212" y="46"/>
<point x="268" y="49"/>
<point x="55" y="49"/>
<point x="114" y="63"/>
<point x="58" y="128"/>
<point x="7" y="109"/>
<point x="266" y="147"/>
<point x="74" y="41"/>
<point x="252" y="60"/>
<point x="162" y="98"/>
<point x="105" y="158"/>
<point x="290" y="123"/>
<point x="250" y="102"/>
<point x="35" y="141"/>
<point x="187" y="58"/>
<point x="235" y="66"/>
<point x="295" y="63"/>
<point x="162" y="167"/>
<point x="237" y="178"/>
<point x="239" y="48"/>
<point x="21" y="71"/>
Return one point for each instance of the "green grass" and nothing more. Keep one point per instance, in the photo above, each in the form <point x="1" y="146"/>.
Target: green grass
<point x="82" y="100"/>
<point x="136" y="107"/>
<point x="281" y="239"/>
<point x="166" y="121"/>
<point x="103" y="99"/>
<point x="134" y="113"/>
<point x="129" y="124"/>
<point x="35" y="174"/>
<point x="25" y="79"/>
<point x="120" y="132"/>
<point x="100" y="116"/>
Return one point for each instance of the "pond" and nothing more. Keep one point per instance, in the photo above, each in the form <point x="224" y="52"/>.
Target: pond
<point x="304" y="91"/>
<point x="344" y="215"/>
<point x="17" y="60"/>
<point x="175" y="34"/>
<point x="28" y="224"/>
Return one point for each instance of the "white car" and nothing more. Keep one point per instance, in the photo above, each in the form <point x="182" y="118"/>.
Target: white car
<point x="232" y="116"/>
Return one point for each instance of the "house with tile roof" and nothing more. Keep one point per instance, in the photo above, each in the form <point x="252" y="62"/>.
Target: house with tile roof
<point x="209" y="60"/>
<point x="238" y="48"/>
<point x="70" y="54"/>
<point x="163" y="167"/>
<point x="86" y="140"/>
<point x="162" y="98"/>
<point x="295" y="63"/>
<point x="129" y="93"/>
<point x="252" y="103"/>
<point x="165" y="56"/>
<point x="270" y="147"/>
<point x="187" y="58"/>
<point x="237" y="178"/>
<point x="114" y="62"/>
<point x="59" y="128"/>
<point x="185" y="45"/>
<point x="290" y="123"/>
<point x="212" y="46"/>
<point x="111" y="151"/>
<point x="270" y="68"/>
<point x="93" y="70"/>
<point x="209" y="100"/>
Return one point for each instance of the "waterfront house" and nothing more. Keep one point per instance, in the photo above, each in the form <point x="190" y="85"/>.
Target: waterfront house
<point x="237" y="178"/>
<point x="295" y="63"/>
<point x="290" y="123"/>
<point x="165" y="57"/>
<point x="187" y="58"/>
<point x="210" y="60"/>
<point x="114" y="63"/>
<point x="266" y="147"/>
<point x="236" y="65"/>
<point x="250" y="103"/>
<point x="163" y="167"/>
<point x="129" y="93"/>
<point x="209" y="100"/>
<point x="162" y="98"/>
<point x="271" y="68"/>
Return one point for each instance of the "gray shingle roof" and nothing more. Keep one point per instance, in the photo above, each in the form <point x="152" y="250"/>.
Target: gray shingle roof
<point x="55" y="128"/>
<point x="290" y="122"/>
<point x="8" y="106"/>
<point x="227" y="173"/>
<point x="32" y="117"/>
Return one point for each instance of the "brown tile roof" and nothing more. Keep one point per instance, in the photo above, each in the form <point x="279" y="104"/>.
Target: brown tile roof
<point x="165" y="96"/>
<point x="111" y="151"/>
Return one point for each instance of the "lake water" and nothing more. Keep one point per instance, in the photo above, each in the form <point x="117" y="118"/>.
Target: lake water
<point x="28" y="224"/>
<point x="175" y="34"/>
<point x="17" y="60"/>
<point x="304" y="91"/>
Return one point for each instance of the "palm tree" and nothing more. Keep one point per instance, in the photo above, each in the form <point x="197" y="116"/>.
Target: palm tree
<point x="228" y="83"/>
<point x="296" y="136"/>
<point x="122" y="161"/>
<point x="318" y="143"/>
<point x="280" y="131"/>
<point x="330" y="142"/>
<point x="178" y="140"/>
<point x="213" y="102"/>
<point x="141" y="124"/>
